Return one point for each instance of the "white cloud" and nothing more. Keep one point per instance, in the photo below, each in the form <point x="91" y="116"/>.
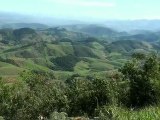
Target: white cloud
<point x="85" y="3"/>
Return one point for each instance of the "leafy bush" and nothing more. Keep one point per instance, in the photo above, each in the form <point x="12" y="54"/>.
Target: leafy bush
<point x="59" y="116"/>
<point x="143" y="77"/>
<point x="33" y="97"/>
<point x="85" y="96"/>
<point x="1" y="118"/>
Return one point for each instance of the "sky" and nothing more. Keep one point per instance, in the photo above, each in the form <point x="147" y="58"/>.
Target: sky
<point x="89" y="10"/>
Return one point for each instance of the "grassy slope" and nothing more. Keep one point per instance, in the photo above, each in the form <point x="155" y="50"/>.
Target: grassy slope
<point x="149" y="113"/>
<point x="93" y="57"/>
<point x="9" y="69"/>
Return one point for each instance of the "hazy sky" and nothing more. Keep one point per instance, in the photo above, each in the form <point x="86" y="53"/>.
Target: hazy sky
<point x="86" y="9"/>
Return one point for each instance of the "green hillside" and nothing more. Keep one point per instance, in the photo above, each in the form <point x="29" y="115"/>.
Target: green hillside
<point x="61" y="50"/>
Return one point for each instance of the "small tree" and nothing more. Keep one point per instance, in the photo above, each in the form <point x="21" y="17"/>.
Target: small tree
<point x="143" y="77"/>
<point x="85" y="95"/>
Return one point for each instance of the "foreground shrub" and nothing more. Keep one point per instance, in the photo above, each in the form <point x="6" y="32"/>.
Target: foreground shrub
<point x="1" y="118"/>
<point x="59" y="116"/>
<point x="85" y="96"/>
<point x="143" y="76"/>
<point x="31" y="98"/>
<point x="46" y="96"/>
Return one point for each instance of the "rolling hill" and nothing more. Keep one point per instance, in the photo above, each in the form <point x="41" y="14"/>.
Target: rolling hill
<point x="63" y="51"/>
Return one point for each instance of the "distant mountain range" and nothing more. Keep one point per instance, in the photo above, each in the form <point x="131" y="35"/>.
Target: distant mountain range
<point x="130" y="25"/>
<point x="13" y="20"/>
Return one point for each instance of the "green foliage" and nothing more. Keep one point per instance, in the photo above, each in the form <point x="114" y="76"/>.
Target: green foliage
<point x="80" y="97"/>
<point x="36" y="96"/>
<point x="66" y="63"/>
<point x="1" y="118"/>
<point x="85" y="96"/>
<point x="138" y="56"/>
<point x="143" y="77"/>
<point x="48" y="95"/>
<point x="59" y="116"/>
<point x="19" y="33"/>
<point x="125" y="46"/>
<point x="12" y="99"/>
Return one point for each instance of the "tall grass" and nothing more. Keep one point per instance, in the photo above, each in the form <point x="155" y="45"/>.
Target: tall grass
<point x="119" y="113"/>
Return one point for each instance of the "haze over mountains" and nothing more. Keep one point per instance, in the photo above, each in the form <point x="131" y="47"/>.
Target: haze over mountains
<point x="13" y="20"/>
